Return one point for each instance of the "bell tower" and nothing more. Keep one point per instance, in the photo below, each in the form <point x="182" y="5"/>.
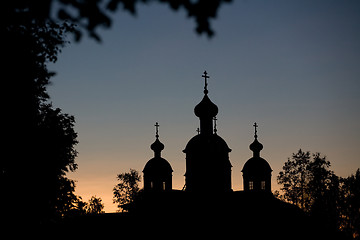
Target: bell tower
<point x="157" y="171"/>
<point x="256" y="171"/>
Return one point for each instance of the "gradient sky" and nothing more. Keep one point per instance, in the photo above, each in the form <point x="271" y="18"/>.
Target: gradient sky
<point x="291" y="66"/>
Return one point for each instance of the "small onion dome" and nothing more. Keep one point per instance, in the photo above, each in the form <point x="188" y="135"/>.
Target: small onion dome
<point x="157" y="146"/>
<point x="206" y="108"/>
<point x="256" y="146"/>
<point x="157" y="165"/>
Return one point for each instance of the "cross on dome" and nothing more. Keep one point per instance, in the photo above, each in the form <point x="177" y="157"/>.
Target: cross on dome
<point x="157" y="129"/>
<point x="205" y="76"/>
<point x="256" y="126"/>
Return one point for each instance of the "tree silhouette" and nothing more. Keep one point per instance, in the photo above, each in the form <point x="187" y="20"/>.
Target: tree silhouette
<point x="90" y="15"/>
<point x="69" y="204"/>
<point x="329" y="199"/>
<point x="94" y="206"/>
<point x="294" y="179"/>
<point x="127" y="189"/>
<point x="349" y="205"/>
<point x="39" y="139"/>
<point x="323" y="191"/>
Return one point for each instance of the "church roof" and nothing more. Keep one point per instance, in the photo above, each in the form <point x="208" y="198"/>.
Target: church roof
<point x="157" y="165"/>
<point x="211" y="142"/>
<point x="256" y="164"/>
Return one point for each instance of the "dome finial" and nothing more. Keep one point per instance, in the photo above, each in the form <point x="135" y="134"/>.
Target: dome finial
<point x="255" y="126"/>
<point x="205" y="76"/>
<point x="157" y="130"/>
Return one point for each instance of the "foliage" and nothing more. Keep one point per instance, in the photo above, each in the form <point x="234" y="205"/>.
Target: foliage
<point x="95" y="206"/>
<point x="39" y="139"/>
<point x="68" y="204"/>
<point x="73" y="205"/>
<point x="312" y="186"/>
<point x="294" y="179"/>
<point x="127" y="189"/>
<point x="349" y="205"/>
<point x="90" y="15"/>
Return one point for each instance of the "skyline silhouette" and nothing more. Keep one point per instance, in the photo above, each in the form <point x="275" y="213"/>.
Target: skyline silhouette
<point x="292" y="67"/>
<point x="208" y="198"/>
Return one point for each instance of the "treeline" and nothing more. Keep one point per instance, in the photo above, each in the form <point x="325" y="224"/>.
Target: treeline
<point x="308" y="182"/>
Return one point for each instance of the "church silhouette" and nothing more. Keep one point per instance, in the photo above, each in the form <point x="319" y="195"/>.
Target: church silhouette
<point x="206" y="207"/>
<point x="208" y="167"/>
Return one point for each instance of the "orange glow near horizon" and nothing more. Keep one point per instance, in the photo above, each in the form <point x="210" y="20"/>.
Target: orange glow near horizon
<point x="100" y="184"/>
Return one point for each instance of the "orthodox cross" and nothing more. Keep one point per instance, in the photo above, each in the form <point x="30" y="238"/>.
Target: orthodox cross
<point x="205" y="76"/>
<point x="157" y="129"/>
<point x="215" y="129"/>
<point x="256" y="126"/>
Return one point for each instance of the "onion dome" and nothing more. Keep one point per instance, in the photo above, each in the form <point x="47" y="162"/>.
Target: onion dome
<point x="206" y="108"/>
<point x="256" y="147"/>
<point x="157" y="146"/>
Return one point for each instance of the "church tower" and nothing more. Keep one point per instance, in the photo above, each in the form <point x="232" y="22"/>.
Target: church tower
<point x="208" y="168"/>
<point x="257" y="171"/>
<point x="157" y="171"/>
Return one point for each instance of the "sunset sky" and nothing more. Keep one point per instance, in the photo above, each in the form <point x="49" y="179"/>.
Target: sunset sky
<point x="291" y="66"/>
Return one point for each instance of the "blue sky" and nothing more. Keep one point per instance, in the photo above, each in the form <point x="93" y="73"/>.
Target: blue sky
<point x="291" y="66"/>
